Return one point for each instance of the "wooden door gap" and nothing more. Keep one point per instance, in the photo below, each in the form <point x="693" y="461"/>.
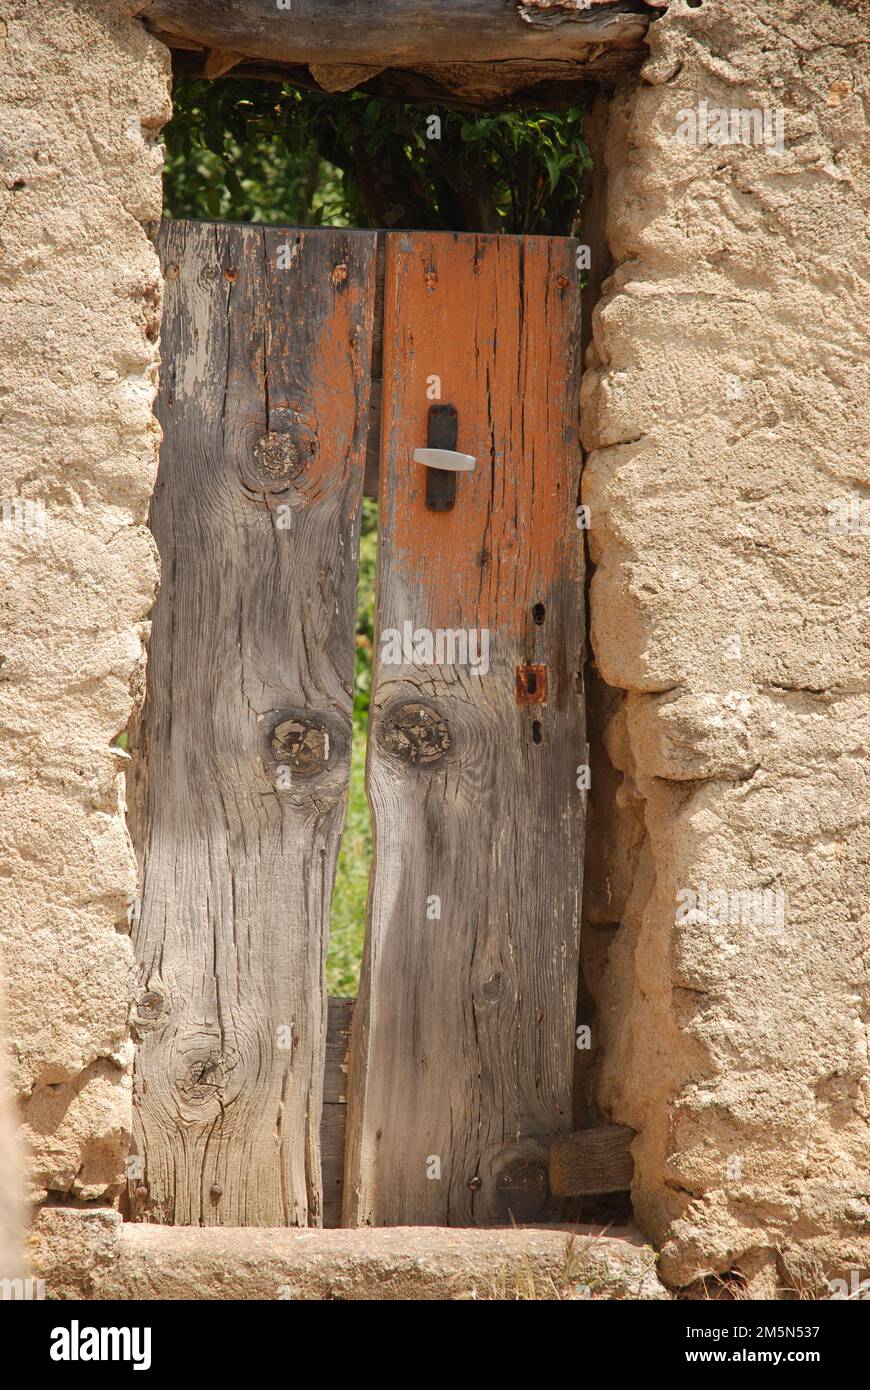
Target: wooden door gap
<point x="373" y="436"/>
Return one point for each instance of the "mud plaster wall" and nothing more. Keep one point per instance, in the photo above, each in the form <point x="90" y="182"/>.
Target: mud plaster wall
<point x="725" y="407"/>
<point x="83" y="92"/>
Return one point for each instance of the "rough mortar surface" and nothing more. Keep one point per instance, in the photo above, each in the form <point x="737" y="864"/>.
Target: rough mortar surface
<point x="725" y="418"/>
<point x="84" y="93"/>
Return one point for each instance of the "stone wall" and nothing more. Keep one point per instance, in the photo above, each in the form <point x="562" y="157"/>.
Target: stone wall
<point x="83" y="92"/>
<point x="725" y="415"/>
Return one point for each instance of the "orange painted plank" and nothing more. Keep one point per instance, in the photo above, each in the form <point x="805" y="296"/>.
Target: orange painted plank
<point x="463" y="1041"/>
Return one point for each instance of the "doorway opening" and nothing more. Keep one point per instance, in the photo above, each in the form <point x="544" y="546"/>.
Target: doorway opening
<point x="278" y="153"/>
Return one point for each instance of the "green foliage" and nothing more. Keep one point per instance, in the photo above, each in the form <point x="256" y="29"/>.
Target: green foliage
<point x="347" y="920"/>
<point x="268" y="152"/>
<point x="365" y="609"/>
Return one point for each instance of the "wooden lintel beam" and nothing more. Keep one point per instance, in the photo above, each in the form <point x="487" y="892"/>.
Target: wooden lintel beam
<point x="398" y="33"/>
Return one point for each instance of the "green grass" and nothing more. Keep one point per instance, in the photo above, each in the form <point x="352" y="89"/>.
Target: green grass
<point x="347" y="918"/>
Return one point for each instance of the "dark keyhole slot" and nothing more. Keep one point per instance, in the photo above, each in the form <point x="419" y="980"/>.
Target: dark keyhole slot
<point x="531" y="682"/>
<point x="537" y="732"/>
<point x="539" y="613"/>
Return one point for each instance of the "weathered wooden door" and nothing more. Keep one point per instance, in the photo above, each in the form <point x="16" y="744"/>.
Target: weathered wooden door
<point x="463" y="1035"/>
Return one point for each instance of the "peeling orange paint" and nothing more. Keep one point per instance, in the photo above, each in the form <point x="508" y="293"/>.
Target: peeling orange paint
<point x="501" y="339"/>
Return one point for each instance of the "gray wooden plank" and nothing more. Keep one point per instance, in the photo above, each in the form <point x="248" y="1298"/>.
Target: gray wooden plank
<point x="332" y="1137"/>
<point x="463" y="1035"/>
<point x="339" y="1019"/>
<point x="334" y="1117"/>
<point x="241" y="760"/>
<point x="394" y="33"/>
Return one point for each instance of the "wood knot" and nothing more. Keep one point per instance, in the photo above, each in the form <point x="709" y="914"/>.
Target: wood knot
<point x="277" y="460"/>
<point x="301" y="744"/>
<point x="206" y="1077"/>
<point x="305" y="751"/>
<point x="523" y="1190"/>
<point x="150" y="1005"/>
<point x="280" y="458"/>
<point x="150" y="1009"/>
<point x="416" y="733"/>
<point x="493" y="988"/>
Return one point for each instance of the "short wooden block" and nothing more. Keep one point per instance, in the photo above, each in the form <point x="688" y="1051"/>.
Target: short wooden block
<point x="592" y="1161"/>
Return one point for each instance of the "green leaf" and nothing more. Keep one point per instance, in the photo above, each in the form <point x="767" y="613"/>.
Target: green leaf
<point x="371" y="117"/>
<point x="279" y="154"/>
